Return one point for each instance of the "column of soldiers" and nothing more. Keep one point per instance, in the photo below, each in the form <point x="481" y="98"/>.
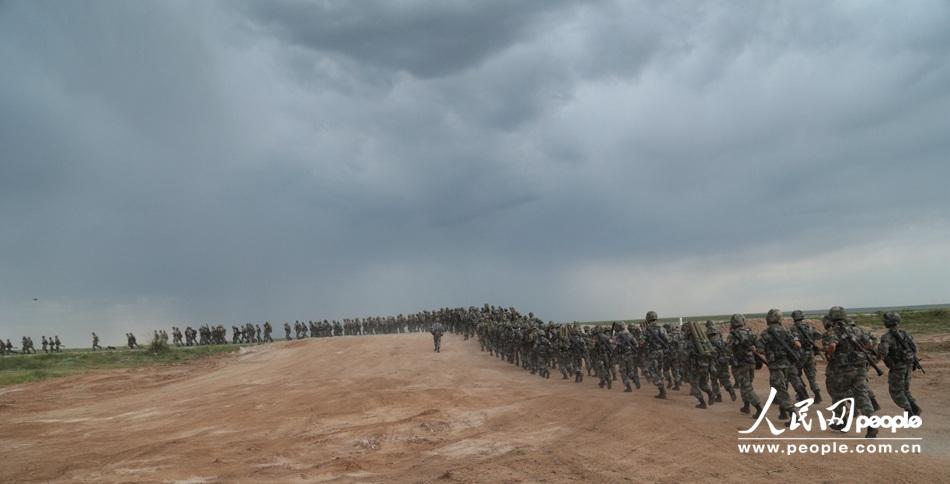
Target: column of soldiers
<point x="664" y="355"/>
<point x="667" y="356"/>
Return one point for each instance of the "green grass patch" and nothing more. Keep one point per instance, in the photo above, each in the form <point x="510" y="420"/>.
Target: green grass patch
<point x="927" y="321"/>
<point x="26" y="368"/>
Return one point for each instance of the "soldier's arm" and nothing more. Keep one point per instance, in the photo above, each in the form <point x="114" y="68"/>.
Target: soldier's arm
<point x="884" y="347"/>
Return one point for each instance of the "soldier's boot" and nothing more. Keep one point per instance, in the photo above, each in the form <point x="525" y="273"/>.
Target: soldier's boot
<point x="702" y="403"/>
<point x="718" y="397"/>
<point x="636" y="382"/>
<point x="712" y="398"/>
<point x="872" y="433"/>
<point x="601" y="384"/>
<point x="732" y="395"/>
<point x="676" y="387"/>
<point x="745" y="408"/>
<point x="758" y="410"/>
<point x="876" y="406"/>
<point x="564" y="376"/>
<point x="628" y="389"/>
<point x="662" y="394"/>
<point x="547" y="374"/>
<point x="608" y="382"/>
<point x="915" y="409"/>
<point x="817" y="396"/>
<point x="783" y="415"/>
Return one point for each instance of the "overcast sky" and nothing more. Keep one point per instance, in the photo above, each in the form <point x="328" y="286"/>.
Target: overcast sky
<point x="228" y="162"/>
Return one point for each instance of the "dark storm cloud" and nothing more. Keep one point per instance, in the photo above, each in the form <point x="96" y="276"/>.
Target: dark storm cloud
<point x="426" y="39"/>
<point x="222" y="161"/>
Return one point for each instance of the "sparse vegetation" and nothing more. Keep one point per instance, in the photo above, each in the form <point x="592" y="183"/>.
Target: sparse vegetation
<point x="26" y="368"/>
<point x="926" y="321"/>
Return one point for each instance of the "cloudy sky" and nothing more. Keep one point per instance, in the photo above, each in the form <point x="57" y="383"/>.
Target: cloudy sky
<point x="198" y="161"/>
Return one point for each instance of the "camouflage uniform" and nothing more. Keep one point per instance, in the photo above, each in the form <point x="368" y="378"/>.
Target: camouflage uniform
<point x="719" y="369"/>
<point x="626" y="350"/>
<point x="697" y="370"/>
<point x="828" y="342"/>
<point x="600" y="356"/>
<point x="437" y="330"/>
<point x="899" y="352"/>
<point x="851" y="375"/>
<point x="780" y="347"/>
<point x="742" y="345"/>
<point x="657" y="344"/>
<point x="580" y="353"/>
<point x="807" y="336"/>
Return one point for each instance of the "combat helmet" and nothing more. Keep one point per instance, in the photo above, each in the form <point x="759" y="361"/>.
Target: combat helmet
<point x="737" y="321"/>
<point x="651" y="316"/>
<point x="798" y="315"/>
<point x="711" y="328"/>
<point x="891" y="319"/>
<point x="774" y="316"/>
<point x="837" y="313"/>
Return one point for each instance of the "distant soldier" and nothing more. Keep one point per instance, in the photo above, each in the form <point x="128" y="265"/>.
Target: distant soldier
<point x="58" y="344"/>
<point x="27" y="346"/>
<point x="95" y="342"/>
<point x="268" y="329"/>
<point x="131" y="341"/>
<point x="626" y="349"/>
<point x="286" y="330"/>
<point x="742" y="346"/>
<point x="437" y="330"/>
<point x="807" y="335"/>
<point x="657" y="344"/>
<point x="899" y="352"/>
<point x="45" y="345"/>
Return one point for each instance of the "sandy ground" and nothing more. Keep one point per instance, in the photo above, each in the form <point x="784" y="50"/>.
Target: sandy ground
<point x="388" y="409"/>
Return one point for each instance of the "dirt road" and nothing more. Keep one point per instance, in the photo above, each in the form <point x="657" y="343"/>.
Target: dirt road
<point x="386" y="408"/>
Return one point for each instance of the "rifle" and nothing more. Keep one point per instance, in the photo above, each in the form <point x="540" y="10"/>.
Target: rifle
<point x="759" y="359"/>
<point x="807" y="337"/>
<point x="658" y="337"/>
<point x="867" y="356"/>
<point x="901" y="341"/>
<point x="792" y="355"/>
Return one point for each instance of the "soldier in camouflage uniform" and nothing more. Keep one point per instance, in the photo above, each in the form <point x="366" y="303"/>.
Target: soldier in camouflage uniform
<point x="807" y="336"/>
<point x="697" y="369"/>
<point x="828" y="341"/>
<point x="626" y="349"/>
<point x="672" y="357"/>
<point x="580" y="352"/>
<point x="657" y="345"/>
<point x="565" y="360"/>
<point x="899" y="352"/>
<point x="719" y="367"/>
<point x="742" y="347"/>
<point x="437" y="330"/>
<point x="600" y="356"/>
<point x="850" y="356"/>
<point x="781" y="349"/>
<point x="542" y="350"/>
